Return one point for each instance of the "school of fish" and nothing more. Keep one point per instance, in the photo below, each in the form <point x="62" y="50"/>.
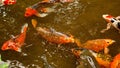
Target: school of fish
<point x="88" y="53"/>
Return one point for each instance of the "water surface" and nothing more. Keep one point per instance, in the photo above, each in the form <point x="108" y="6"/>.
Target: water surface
<point x="82" y="18"/>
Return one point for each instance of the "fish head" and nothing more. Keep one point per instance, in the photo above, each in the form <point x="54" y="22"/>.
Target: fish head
<point x="109" y="41"/>
<point x="9" y="2"/>
<point x="29" y="12"/>
<point x="107" y="17"/>
<point x="10" y="45"/>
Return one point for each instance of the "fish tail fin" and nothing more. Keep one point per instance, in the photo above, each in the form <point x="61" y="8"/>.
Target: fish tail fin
<point x="34" y="23"/>
<point x="77" y="41"/>
<point x="24" y="28"/>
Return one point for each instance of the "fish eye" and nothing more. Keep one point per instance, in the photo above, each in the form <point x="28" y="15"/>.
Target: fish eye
<point x="27" y="14"/>
<point x="112" y="21"/>
<point x="9" y="46"/>
<point x="108" y="42"/>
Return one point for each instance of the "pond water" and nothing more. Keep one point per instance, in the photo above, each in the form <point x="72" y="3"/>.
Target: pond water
<point x="82" y="18"/>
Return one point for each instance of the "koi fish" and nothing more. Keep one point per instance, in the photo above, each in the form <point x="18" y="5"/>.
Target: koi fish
<point x="40" y="9"/>
<point x="16" y="42"/>
<point x="87" y="59"/>
<point x="46" y="64"/>
<point x="52" y="35"/>
<point x="7" y="2"/>
<point x="112" y="21"/>
<point x="98" y="45"/>
<point x="102" y="59"/>
<point x="58" y="1"/>
<point x="116" y="62"/>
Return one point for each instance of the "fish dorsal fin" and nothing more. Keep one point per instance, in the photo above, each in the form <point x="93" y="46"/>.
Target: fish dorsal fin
<point x="52" y="30"/>
<point x="34" y="23"/>
<point x="24" y="28"/>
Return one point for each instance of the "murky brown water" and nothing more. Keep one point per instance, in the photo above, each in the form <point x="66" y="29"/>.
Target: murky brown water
<point x="83" y="19"/>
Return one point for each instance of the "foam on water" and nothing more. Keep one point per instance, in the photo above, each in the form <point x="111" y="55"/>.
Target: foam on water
<point x="16" y="64"/>
<point x="68" y="13"/>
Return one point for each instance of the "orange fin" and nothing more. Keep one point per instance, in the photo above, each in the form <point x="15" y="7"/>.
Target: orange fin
<point x="77" y="41"/>
<point x="24" y="28"/>
<point x="34" y="22"/>
<point x="106" y="50"/>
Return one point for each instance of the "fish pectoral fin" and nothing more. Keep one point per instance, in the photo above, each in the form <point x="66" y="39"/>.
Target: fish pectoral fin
<point x="52" y="30"/>
<point x="41" y="14"/>
<point x="19" y="50"/>
<point x="106" y="50"/>
<point x="34" y="23"/>
<point x="77" y="41"/>
<point x="107" y="28"/>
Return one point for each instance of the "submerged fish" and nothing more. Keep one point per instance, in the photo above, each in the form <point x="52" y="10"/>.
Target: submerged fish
<point x="46" y="64"/>
<point x="53" y="36"/>
<point x="102" y="59"/>
<point x="40" y="9"/>
<point x="16" y="42"/>
<point x="7" y="2"/>
<point x="86" y="58"/>
<point x="43" y="8"/>
<point x="116" y="62"/>
<point x="112" y="21"/>
<point x="98" y="45"/>
<point x="58" y="1"/>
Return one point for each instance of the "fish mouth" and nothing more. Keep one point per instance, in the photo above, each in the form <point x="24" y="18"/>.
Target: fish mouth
<point x="105" y="16"/>
<point x="109" y="41"/>
<point x="4" y="48"/>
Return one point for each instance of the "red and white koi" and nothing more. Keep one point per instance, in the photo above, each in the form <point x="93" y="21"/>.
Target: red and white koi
<point x="58" y="1"/>
<point x="16" y="42"/>
<point x="7" y="2"/>
<point x="43" y="8"/>
<point x="40" y="9"/>
<point x="112" y="21"/>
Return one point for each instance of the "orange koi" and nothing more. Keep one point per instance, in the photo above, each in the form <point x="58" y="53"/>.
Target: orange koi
<point x="53" y="36"/>
<point x="16" y="42"/>
<point x="103" y="60"/>
<point x="98" y="45"/>
<point x="116" y="62"/>
<point x="112" y="21"/>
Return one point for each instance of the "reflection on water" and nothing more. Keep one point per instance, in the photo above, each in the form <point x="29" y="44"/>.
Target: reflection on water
<point x="82" y="18"/>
